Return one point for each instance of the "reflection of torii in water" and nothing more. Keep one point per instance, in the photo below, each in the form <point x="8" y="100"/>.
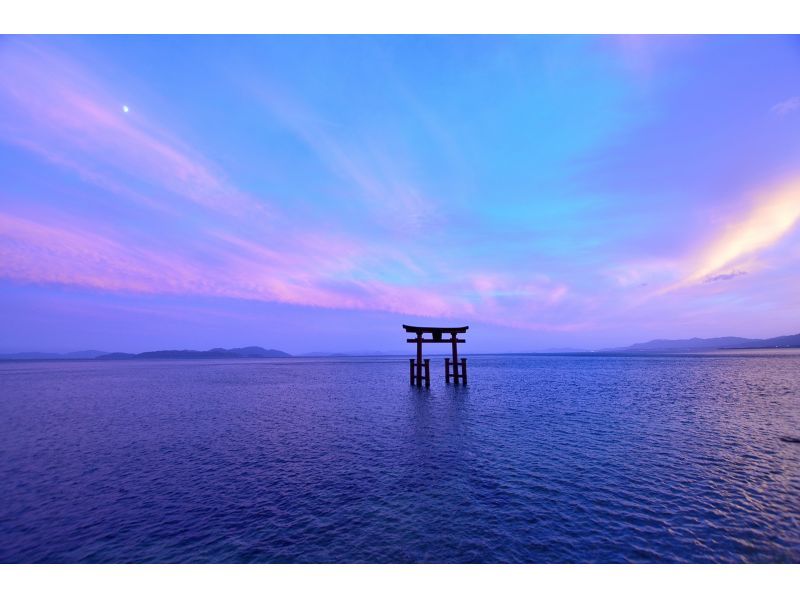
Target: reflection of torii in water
<point x="436" y="337"/>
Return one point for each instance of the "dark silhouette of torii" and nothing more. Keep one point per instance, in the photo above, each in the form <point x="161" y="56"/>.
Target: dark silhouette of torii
<point x="417" y="375"/>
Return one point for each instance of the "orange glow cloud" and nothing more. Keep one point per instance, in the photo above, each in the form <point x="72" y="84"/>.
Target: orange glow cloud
<point x="775" y="214"/>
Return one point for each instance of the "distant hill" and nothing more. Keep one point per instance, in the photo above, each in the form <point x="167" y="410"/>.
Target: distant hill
<point x="712" y="344"/>
<point x="788" y="341"/>
<point x="40" y="355"/>
<point x="217" y="353"/>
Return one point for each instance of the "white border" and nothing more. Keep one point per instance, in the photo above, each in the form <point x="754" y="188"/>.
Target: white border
<point x="397" y="16"/>
<point x="406" y="581"/>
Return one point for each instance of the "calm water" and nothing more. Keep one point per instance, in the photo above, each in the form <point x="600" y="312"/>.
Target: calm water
<point x="539" y="459"/>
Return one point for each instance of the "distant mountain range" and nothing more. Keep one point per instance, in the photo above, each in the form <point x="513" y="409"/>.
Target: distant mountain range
<point x="712" y="344"/>
<point x="41" y="355"/>
<point x="166" y="354"/>
<point x="189" y="354"/>
<point x="654" y="346"/>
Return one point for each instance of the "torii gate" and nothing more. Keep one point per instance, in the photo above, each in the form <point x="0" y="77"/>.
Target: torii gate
<point x="436" y="337"/>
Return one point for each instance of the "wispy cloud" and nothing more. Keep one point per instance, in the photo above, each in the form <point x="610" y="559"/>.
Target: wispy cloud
<point x="54" y="107"/>
<point x="54" y="248"/>
<point x="643" y="55"/>
<point x="725" y="276"/>
<point x="57" y="249"/>
<point x="786" y="106"/>
<point x="71" y="253"/>
<point x="774" y="214"/>
<point x="731" y="251"/>
<point x="364" y="163"/>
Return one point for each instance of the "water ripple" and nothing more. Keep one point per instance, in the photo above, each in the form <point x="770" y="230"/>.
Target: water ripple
<point x="540" y="459"/>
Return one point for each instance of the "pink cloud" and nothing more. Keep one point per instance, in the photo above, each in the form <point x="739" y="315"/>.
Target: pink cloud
<point x="53" y="248"/>
<point x="67" y="115"/>
<point x="58" y="110"/>
<point x="69" y="252"/>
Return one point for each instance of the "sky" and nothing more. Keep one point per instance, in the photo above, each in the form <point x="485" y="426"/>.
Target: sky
<point x="313" y="193"/>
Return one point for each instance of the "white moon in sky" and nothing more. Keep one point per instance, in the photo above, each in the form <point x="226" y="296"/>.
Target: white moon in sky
<point x="125" y="108"/>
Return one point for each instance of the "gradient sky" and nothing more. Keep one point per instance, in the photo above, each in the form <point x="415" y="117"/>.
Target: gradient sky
<point x="315" y="193"/>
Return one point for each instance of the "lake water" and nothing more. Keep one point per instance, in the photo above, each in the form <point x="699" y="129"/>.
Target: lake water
<point x="539" y="459"/>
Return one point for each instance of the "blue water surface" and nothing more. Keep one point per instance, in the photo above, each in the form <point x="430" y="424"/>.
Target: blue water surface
<point x="541" y="458"/>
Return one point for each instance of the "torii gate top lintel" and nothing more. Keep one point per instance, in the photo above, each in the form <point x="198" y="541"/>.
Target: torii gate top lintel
<point x="436" y="333"/>
<point x="423" y="329"/>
